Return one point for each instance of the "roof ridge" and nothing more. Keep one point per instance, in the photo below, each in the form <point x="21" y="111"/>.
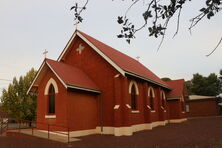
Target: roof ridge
<point x="109" y="46"/>
<point x="125" y="55"/>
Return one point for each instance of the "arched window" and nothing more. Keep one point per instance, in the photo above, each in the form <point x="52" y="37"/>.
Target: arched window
<point x="163" y="98"/>
<point x="51" y="100"/>
<point x="133" y="97"/>
<point x="151" y="96"/>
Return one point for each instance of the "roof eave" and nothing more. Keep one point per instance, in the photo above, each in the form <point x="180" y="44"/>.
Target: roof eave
<point x="83" y="88"/>
<point x="147" y="79"/>
<point x="120" y="70"/>
<point x="111" y="62"/>
<point x="174" y="98"/>
<point x="36" y="76"/>
<point x="67" y="46"/>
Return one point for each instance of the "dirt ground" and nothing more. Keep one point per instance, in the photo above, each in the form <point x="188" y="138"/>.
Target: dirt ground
<point x="195" y="133"/>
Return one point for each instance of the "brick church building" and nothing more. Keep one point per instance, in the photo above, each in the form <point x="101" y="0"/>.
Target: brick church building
<point x="92" y="88"/>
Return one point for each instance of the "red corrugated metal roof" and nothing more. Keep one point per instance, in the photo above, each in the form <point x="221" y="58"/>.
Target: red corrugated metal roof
<point x="125" y="62"/>
<point x="177" y="88"/>
<point x="72" y="76"/>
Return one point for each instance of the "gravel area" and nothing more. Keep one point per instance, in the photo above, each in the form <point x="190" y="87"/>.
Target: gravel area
<point x="194" y="133"/>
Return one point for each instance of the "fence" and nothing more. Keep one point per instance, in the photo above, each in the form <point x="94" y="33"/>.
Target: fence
<point x="18" y="124"/>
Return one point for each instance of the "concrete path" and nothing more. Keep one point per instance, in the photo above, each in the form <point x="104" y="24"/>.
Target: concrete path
<point x="60" y="137"/>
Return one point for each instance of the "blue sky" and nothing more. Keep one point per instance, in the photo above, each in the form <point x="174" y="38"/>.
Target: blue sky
<point x="27" y="28"/>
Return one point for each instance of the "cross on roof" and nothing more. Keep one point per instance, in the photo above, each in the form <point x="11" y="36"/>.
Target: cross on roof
<point x="138" y="58"/>
<point x="76" y="24"/>
<point x="45" y="53"/>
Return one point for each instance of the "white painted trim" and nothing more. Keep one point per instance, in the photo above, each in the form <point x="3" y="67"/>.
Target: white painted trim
<point x="53" y="82"/>
<point x="182" y="99"/>
<point x="40" y="69"/>
<point x="108" y="130"/>
<point x="116" y="107"/>
<point x="159" y="123"/>
<point x="66" y="86"/>
<point x="164" y="96"/>
<point x="135" y="111"/>
<point x="147" y="79"/>
<point x="50" y="116"/>
<point x="67" y="46"/>
<point x="122" y="131"/>
<point x="152" y="90"/>
<point x="177" y="120"/>
<point x="105" y="57"/>
<point x="130" y="87"/>
<point x="162" y="108"/>
<point x="153" y="111"/>
<point x="220" y="104"/>
<point x="128" y="131"/>
<point x="82" y="88"/>
<point x="117" y="75"/>
<point x="102" y="54"/>
<point x="80" y="133"/>
<point x="148" y="107"/>
<point x="127" y="105"/>
<point x="140" y="127"/>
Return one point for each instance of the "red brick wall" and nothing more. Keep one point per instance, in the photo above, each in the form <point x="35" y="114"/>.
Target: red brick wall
<point x="103" y="75"/>
<point x="60" y="104"/>
<point x="138" y="118"/>
<point x="203" y="108"/>
<point x="154" y="116"/>
<point x="76" y="110"/>
<point x="145" y="115"/>
<point x="174" y="109"/>
<point x="82" y="110"/>
<point x="100" y="71"/>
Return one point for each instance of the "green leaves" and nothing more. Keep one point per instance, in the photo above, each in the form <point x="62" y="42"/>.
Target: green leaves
<point x="211" y="9"/>
<point x="210" y="14"/>
<point x="156" y="30"/>
<point x="200" y="85"/>
<point x="120" y="19"/>
<point x="77" y="12"/>
<point x="147" y="14"/>
<point x="127" y="30"/>
<point x="18" y="104"/>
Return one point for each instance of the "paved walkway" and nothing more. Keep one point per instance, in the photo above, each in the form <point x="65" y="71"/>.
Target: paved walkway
<point x="60" y="137"/>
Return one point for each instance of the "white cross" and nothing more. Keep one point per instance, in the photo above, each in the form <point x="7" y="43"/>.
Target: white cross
<point x="76" y="24"/>
<point x="138" y="58"/>
<point x="80" y="48"/>
<point x="45" y="53"/>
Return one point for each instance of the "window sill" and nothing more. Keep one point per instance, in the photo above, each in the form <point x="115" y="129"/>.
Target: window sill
<point x="135" y="111"/>
<point x="148" y="107"/>
<point x="50" y="116"/>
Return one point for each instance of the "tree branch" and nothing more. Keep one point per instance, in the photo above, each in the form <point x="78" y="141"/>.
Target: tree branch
<point x="215" y="47"/>
<point x="144" y="25"/>
<point x="178" y="23"/>
<point x="131" y="6"/>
